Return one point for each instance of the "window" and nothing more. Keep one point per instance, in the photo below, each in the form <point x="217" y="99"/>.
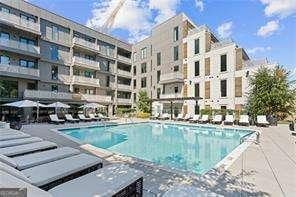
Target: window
<point x="158" y="76"/>
<point x="89" y="57"/>
<point x="158" y="59"/>
<point x="32" y="86"/>
<point x="54" y="52"/>
<point x="31" y="64"/>
<point x="54" y="88"/>
<point x="26" y="63"/>
<point x="4" y="60"/>
<point x="196" y="68"/>
<point x="143" y="82"/>
<point x="176" y="34"/>
<point x="135" y="96"/>
<point x="176" y="53"/>
<point x="5" y="10"/>
<point x="4" y="37"/>
<point x="196" y="90"/>
<point x="158" y="93"/>
<point x="135" y="56"/>
<point x="105" y="65"/>
<point x="196" y="46"/>
<point x="89" y="74"/>
<point x="54" y="72"/>
<point x="10" y="87"/>
<point x="151" y="80"/>
<point x="223" y="88"/>
<point x="55" y="33"/>
<point x="144" y="53"/>
<point x="135" y="83"/>
<point x="223" y="61"/>
<point x="23" y="63"/>
<point x="143" y="67"/>
<point x="26" y="41"/>
<point x="176" y="89"/>
<point x="176" y="68"/>
<point x="151" y="50"/>
<point x="223" y="107"/>
<point x="135" y="70"/>
<point x="107" y="81"/>
<point x="27" y="18"/>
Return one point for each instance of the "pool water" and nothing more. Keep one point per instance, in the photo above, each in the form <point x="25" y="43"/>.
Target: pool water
<point x="190" y="148"/>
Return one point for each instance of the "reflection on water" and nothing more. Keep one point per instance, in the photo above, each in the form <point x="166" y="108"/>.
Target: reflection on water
<point x="182" y="147"/>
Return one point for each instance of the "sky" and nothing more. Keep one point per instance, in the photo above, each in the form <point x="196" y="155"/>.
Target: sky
<point x="264" y="28"/>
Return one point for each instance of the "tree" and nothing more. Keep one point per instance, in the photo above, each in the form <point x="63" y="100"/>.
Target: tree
<point x="144" y="102"/>
<point x="271" y="93"/>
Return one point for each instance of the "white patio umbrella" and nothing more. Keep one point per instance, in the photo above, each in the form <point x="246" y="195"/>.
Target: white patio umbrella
<point x="57" y="105"/>
<point x="92" y="105"/>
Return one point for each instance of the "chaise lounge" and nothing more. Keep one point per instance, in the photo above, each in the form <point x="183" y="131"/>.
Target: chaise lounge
<point x="55" y="119"/>
<point x="261" y="121"/>
<point x="195" y="118"/>
<point x="217" y="119"/>
<point x="229" y="120"/>
<point x="19" y="141"/>
<point x="244" y="120"/>
<point x="70" y="118"/>
<point x="204" y="119"/>
<point x="83" y="118"/>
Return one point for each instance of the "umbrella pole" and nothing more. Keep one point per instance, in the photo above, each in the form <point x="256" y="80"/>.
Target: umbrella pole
<point x="37" y="115"/>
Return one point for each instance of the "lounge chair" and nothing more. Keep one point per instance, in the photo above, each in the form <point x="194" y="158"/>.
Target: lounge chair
<point x="229" y="119"/>
<point x="49" y="175"/>
<point x="13" y="136"/>
<point x="55" y="119"/>
<point x="164" y="116"/>
<point x="23" y="149"/>
<point x="204" y="119"/>
<point x="10" y="181"/>
<point x="102" y="117"/>
<point x="112" y="180"/>
<point x="92" y="116"/>
<point x="187" y="117"/>
<point x="244" y="120"/>
<point x="83" y="118"/>
<point x="261" y="121"/>
<point x="195" y="118"/>
<point x="34" y="159"/>
<point x="179" y="117"/>
<point x="20" y="141"/>
<point x="155" y="116"/>
<point x="217" y="119"/>
<point x="70" y="118"/>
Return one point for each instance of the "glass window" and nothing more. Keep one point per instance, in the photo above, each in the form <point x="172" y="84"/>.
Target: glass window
<point x="176" y="89"/>
<point x="158" y="59"/>
<point x="223" y="88"/>
<point x="31" y="64"/>
<point x="158" y="93"/>
<point x="9" y="89"/>
<point x="176" y="68"/>
<point x="55" y="33"/>
<point x="196" y="68"/>
<point x="143" y="82"/>
<point x="4" y="36"/>
<point x="176" y="33"/>
<point x="158" y="76"/>
<point x="5" y="10"/>
<point x="196" y="90"/>
<point x="223" y="61"/>
<point x="135" y="56"/>
<point x="23" y="63"/>
<point x="143" y="67"/>
<point x="135" y="70"/>
<point x="176" y="53"/>
<point x="135" y="83"/>
<point x="54" y="53"/>
<point x="4" y="60"/>
<point x="144" y="53"/>
<point x="107" y="81"/>
<point x="32" y="86"/>
<point x="23" y="17"/>
<point x="54" y="88"/>
<point x="88" y="73"/>
<point x="196" y="46"/>
<point x="23" y="40"/>
<point x="54" y="72"/>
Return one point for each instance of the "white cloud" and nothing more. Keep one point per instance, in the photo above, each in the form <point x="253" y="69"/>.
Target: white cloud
<point x="136" y="16"/>
<point x="225" y="29"/>
<point x="199" y="5"/>
<point x="268" y="29"/>
<point x="281" y="8"/>
<point x="258" y="50"/>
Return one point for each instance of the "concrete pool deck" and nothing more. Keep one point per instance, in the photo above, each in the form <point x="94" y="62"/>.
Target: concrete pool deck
<point x="264" y="169"/>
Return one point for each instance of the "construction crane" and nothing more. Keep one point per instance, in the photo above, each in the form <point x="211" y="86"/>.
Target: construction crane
<point x="106" y="27"/>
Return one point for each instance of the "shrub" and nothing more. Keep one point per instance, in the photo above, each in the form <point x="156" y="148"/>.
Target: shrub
<point x="143" y="115"/>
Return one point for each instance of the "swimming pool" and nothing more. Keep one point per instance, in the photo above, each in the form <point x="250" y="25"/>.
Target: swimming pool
<point x="191" y="148"/>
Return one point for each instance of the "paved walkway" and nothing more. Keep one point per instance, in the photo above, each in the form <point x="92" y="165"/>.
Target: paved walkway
<point x="269" y="168"/>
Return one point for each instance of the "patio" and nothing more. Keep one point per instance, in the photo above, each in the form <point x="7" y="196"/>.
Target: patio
<point x="269" y="167"/>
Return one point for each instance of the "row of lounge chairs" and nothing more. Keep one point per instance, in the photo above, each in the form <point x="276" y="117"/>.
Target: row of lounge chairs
<point x="81" y="117"/>
<point x="33" y="163"/>
<point x="217" y="119"/>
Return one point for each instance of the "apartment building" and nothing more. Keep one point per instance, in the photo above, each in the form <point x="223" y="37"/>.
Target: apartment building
<point x="46" y="57"/>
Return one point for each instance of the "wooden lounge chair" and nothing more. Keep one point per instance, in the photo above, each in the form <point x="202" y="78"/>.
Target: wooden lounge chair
<point x="229" y="120"/>
<point x="261" y="121"/>
<point x="70" y="118"/>
<point x="112" y="180"/>
<point x="204" y="119"/>
<point x="217" y="119"/>
<point x="83" y="118"/>
<point x="244" y="120"/>
<point x="195" y="118"/>
<point x="55" y="119"/>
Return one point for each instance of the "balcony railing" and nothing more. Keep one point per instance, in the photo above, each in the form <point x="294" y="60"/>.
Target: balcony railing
<point x="19" y="70"/>
<point x="86" y="81"/>
<point x="20" y="46"/>
<point x="96" y="98"/>
<point x="171" y="95"/>
<point x="222" y="43"/>
<point x="124" y="87"/>
<point x="41" y="94"/>
<point x="124" y="100"/>
<point x="106" y="51"/>
<point x="87" y="62"/>
<point x="175" y="77"/>
<point x="22" y="23"/>
<point x="125" y="59"/>
<point x="64" y="78"/>
<point x="124" y="72"/>
<point x="85" y="43"/>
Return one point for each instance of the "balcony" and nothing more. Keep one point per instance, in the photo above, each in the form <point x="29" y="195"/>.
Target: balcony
<point x="106" y="51"/>
<point x="96" y="98"/>
<point x="124" y="101"/>
<point x="87" y="81"/>
<point x="175" y="77"/>
<point x="79" y="61"/>
<point x="64" y="78"/>
<point x="16" y="21"/>
<point x="40" y="94"/>
<point x="124" y="87"/>
<point x="19" y="70"/>
<point x="85" y="44"/>
<point x="222" y="43"/>
<point x="20" y="46"/>
<point x="170" y="95"/>
<point x="124" y="59"/>
<point x="124" y="73"/>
